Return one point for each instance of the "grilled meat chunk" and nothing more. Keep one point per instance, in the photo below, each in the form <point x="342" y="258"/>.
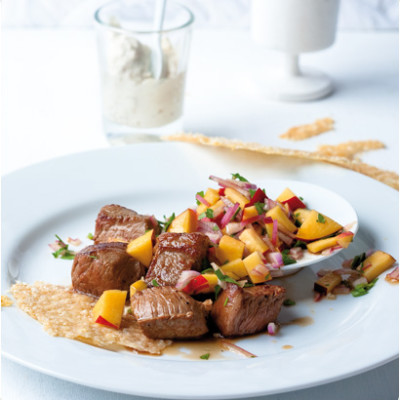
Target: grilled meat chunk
<point x="239" y="311"/>
<point x="165" y="313"/>
<point x="117" y="222"/>
<point x="174" y="253"/>
<point x="104" y="266"/>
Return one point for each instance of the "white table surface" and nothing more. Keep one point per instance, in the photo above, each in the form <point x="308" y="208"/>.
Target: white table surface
<point x="51" y="107"/>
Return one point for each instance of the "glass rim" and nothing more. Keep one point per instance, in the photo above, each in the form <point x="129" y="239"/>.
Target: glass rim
<point x="106" y="25"/>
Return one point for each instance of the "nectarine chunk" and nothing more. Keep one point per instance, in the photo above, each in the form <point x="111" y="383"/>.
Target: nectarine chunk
<point x="316" y="226"/>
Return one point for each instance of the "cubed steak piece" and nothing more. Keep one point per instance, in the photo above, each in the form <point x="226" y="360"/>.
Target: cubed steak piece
<point x="174" y="253"/>
<point x="239" y="312"/>
<point x="104" y="266"/>
<point x="119" y="223"/>
<point x="165" y="313"/>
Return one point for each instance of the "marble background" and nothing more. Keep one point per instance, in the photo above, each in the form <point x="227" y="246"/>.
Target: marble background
<point x="354" y="14"/>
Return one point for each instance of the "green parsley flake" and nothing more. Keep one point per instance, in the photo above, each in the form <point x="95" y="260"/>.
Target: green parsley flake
<point x="289" y="302"/>
<point x="200" y="194"/>
<point x="259" y="207"/>
<point x="164" y="225"/>
<point x="301" y="244"/>
<point x="363" y="288"/>
<point x="252" y="192"/>
<point x="286" y="258"/>
<point x="90" y="236"/>
<point x="63" y="252"/>
<point x="239" y="177"/>
<point x="226" y="301"/>
<point x="205" y="356"/>
<point x="321" y="219"/>
<point x="155" y="283"/>
<point x="215" y="228"/>
<point x="358" y="260"/>
<point x="225" y="278"/>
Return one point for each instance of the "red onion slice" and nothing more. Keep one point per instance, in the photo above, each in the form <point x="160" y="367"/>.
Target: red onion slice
<point x="229" y="215"/>
<point x="74" y="242"/>
<point x="274" y="232"/>
<point x="202" y="200"/>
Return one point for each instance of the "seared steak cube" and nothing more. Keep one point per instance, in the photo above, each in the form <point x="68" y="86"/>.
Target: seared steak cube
<point x="239" y="311"/>
<point x="174" y="253"/>
<point x="117" y="222"/>
<point x="104" y="266"/>
<point x="166" y="313"/>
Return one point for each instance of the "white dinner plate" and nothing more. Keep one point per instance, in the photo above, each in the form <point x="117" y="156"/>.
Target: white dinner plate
<point x="318" y="342"/>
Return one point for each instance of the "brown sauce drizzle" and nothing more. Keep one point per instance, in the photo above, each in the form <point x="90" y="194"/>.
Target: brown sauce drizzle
<point x="302" y="321"/>
<point x="192" y="350"/>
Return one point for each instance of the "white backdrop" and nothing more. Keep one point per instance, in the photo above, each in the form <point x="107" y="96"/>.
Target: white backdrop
<point x="354" y="14"/>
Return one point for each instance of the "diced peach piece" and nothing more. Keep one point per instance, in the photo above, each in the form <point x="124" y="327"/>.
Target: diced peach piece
<point x="235" y="269"/>
<point x="109" y="308"/>
<point x="235" y="197"/>
<point x="137" y="287"/>
<point x="249" y="212"/>
<point x="211" y="196"/>
<point x="316" y="226"/>
<point x="185" y="222"/>
<point x="217" y="205"/>
<point x="322" y="244"/>
<point x="285" y="195"/>
<point x="212" y="280"/>
<point x="376" y="263"/>
<point x="301" y="214"/>
<point x="256" y="269"/>
<point x="253" y="241"/>
<point x="344" y="239"/>
<point x="229" y="249"/>
<point x="141" y="248"/>
<point x="278" y="214"/>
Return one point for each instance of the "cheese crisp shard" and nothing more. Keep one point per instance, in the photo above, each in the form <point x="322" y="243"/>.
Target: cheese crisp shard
<point x="303" y="132"/>
<point x="65" y="313"/>
<point x="388" y="177"/>
<point x="350" y="149"/>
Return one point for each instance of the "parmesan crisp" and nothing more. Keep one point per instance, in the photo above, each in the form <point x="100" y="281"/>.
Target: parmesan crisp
<point x="6" y="301"/>
<point x="388" y="177"/>
<point x="303" y="132"/>
<point x="350" y="149"/>
<point x="65" y="313"/>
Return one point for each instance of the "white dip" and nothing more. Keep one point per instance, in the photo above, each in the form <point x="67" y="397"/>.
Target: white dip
<point x="131" y="95"/>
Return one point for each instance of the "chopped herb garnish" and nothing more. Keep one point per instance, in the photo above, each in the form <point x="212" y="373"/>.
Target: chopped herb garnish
<point x="90" y="236"/>
<point x="205" y="356"/>
<point x="286" y="258"/>
<point x="129" y="311"/>
<point x="301" y="244"/>
<point x="301" y="198"/>
<point x="252" y="192"/>
<point x="321" y="219"/>
<point x="215" y="228"/>
<point x="358" y="260"/>
<point x="248" y="284"/>
<point x="217" y="289"/>
<point x="297" y="223"/>
<point x="226" y="301"/>
<point x="207" y="214"/>
<point x="239" y="177"/>
<point x="259" y="207"/>
<point x="363" y="288"/>
<point x="94" y="257"/>
<point x="236" y="213"/>
<point x="224" y="278"/>
<point x="200" y="194"/>
<point x="289" y="302"/>
<point x="63" y="252"/>
<point x="155" y="283"/>
<point x="207" y="271"/>
<point x="297" y="215"/>
<point x="164" y="225"/>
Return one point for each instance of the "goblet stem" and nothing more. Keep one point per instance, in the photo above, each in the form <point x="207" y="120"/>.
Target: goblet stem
<point x="291" y="64"/>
